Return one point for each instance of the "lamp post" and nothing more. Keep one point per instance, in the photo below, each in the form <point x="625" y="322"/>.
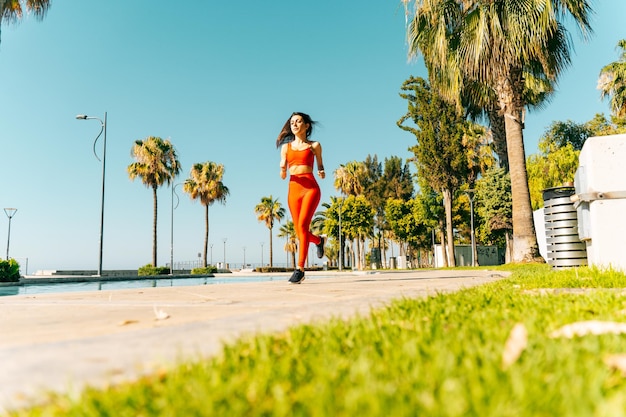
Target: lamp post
<point x="172" y="228"/>
<point x="261" y="253"/>
<point x="244" y="258"/>
<point x="103" y="124"/>
<point x="211" y="246"/>
<point x="224" y="240"/>
<point x="10" y="212"/>
<point x="340" y="245"/>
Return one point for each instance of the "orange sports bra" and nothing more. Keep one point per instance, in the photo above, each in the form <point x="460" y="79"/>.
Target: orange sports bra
<point x="302" y="157"/>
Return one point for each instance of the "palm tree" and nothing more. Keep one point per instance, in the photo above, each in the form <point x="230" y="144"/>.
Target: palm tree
<point x="495" y="44"/>
<point x="349" y="178"/>
<point x="13" y="10"/>
<point x="612" y="82"/>
<point x="288" y="231"/>
<point x="477" y="142"/>
<point x="205" y="183"/>
<point x="267" y="211"/>
<point x="156" y="164"/>
<point x="357" y="225"/>
<point x="330" y="219"/>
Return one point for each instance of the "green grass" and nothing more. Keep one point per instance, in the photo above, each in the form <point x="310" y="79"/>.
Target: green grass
<point x="437" y="356"/>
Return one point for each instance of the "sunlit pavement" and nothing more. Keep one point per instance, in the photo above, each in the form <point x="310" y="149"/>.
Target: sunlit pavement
<point x="60" y="342"/>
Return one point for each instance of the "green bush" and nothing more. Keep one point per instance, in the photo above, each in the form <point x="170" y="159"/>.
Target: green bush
<point x="9" y="271"/>
<point x="203" y="271"/>
<point x="271" y="269"/>
<point x="266" y="269"/>
<point x="149" y="270"/>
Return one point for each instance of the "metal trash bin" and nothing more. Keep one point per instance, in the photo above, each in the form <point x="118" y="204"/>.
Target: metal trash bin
<point x="564" y="247"/>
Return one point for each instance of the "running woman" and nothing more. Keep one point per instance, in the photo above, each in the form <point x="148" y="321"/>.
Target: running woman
<point x="298" y="154"/>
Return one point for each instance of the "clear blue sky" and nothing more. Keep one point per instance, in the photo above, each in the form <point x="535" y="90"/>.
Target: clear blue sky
<point x="218" y="79"/>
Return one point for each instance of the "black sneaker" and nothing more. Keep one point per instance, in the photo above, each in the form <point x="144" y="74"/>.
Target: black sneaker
<point x="320" y="247"/>
<point x="297" y="277"/>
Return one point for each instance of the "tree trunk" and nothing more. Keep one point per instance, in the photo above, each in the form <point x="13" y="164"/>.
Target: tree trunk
<point x="447" y="205"/>
<point x="383" y="253"/>
<point x="358" y="253"/>
<point x="154" y="228"/>
<point x="342" y="243"/>
<point x="206" y="234"/>
<point x="363" y="253"/>
<point x="510" y="92"/>
<point x="271" y="248"/>
<point x="381" y="244"/>
<point x="498" y="131"/>
<point x="442" y="237"/>
<point x="351" y="258"/>
<point x="525" y="248"/>
<point x="508" y="251"/>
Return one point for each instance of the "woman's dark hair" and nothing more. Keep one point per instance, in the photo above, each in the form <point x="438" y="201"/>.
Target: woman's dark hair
<point x="286" y="136"/>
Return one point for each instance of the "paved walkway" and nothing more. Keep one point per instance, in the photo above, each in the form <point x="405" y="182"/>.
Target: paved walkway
<point x="60" y="342"/>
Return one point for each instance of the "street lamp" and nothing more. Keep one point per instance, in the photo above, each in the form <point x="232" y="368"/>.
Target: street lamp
<point x="10" y="212"/>
<point x="172" y="228"/>
<point x="103" y="124"/>
<point x="340" y="245"/>
<point x="211" y="246"/>
<point x="244" y="258"/>
<point x="261" y="253"/>
<point x="224" y="240"/>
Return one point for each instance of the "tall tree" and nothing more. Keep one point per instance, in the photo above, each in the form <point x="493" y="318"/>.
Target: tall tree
<point x="612" y="82"/>
<point x="156" y="163"/>
<point x="495" y="44"/>
<point x="333" y="215"/>
<point x="478" y="100"/>
<point x="553" y="166"/>
<point x="269" y="210"/>
<point x="357" y="223"/>
<point x="395" y="182"/>
<point x="560" y="134"/>
<point x="205" y="183"/>
<point x="600" y="126"/>
<point x="396" y="179"/>
<point x="493" y="209"/>
<point x="349" y="178"/>
<point x="373" y="188"/>
<point x="13" y="10"/>
<point x="439" y="153"/>
<point x="478" y="150"/>
<point x="407" y="222"/>
<point x="288" y="231"/>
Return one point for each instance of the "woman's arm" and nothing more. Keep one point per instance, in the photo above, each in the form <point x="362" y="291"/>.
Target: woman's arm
<point x="283" y="161"/>
<point x="317" y="150"/>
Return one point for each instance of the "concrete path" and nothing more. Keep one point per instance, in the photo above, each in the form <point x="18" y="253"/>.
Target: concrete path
<point x="62" y="342"/>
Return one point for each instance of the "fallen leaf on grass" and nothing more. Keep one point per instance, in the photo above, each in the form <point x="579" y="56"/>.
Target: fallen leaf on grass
<point x="617" y="362"/>
<point x="515" y="345"/>
<point x="594" y="327"/>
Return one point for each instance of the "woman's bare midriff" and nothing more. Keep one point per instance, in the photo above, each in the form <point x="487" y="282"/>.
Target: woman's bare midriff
<point x="300" y="169"/>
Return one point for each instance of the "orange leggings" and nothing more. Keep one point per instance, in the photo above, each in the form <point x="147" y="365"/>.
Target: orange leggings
<point x="304" y="196"/>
